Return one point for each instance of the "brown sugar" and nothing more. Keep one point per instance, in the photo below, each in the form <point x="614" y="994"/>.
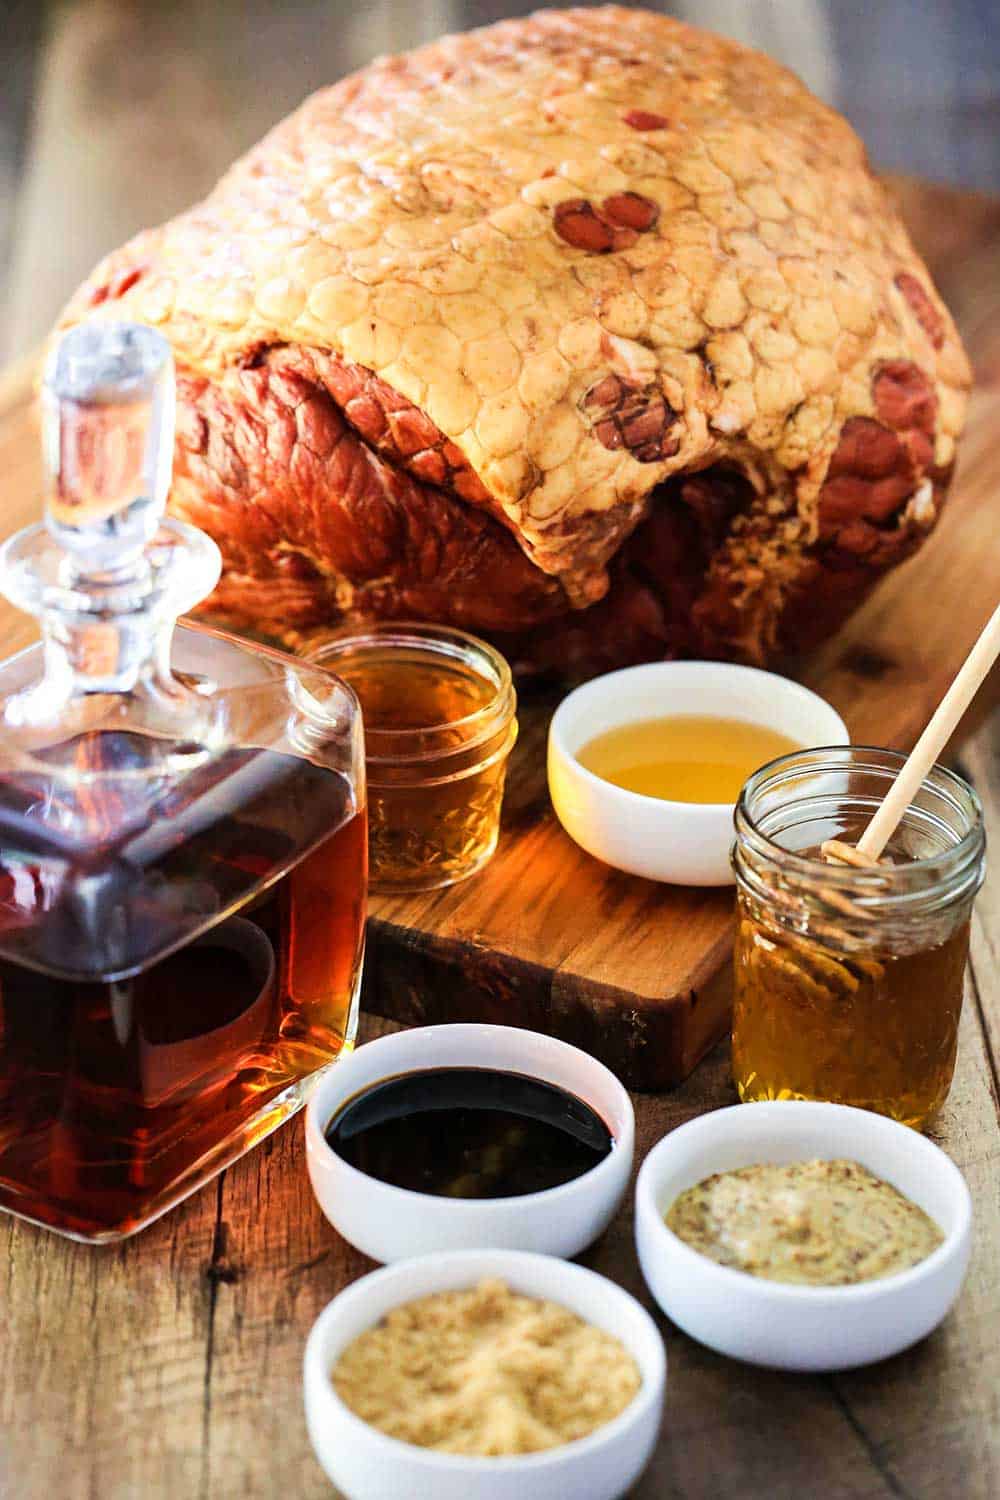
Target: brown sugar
<point x="485" y="1371"/>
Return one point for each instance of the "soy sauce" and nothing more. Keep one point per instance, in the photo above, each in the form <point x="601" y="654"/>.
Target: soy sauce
<point x="469" y="1133"/>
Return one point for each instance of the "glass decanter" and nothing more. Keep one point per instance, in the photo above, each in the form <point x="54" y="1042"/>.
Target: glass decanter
<point x="182" y="833"/>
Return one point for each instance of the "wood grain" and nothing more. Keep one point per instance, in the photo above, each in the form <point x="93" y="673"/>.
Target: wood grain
<point x="169" y="1367"/>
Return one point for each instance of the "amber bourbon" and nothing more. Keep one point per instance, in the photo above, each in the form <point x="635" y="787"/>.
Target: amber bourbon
<point x="182" y="835"/>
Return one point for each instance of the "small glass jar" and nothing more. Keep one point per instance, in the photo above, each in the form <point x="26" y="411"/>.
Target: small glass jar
<point x="439" y="711"/>
<point x="848" y="982"/>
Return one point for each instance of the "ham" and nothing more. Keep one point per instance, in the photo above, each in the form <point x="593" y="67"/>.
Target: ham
<point x="590" y="332"/>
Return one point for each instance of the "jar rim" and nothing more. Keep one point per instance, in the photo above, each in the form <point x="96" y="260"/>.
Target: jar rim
<point x="884" y="882"/>
<point x="434" y="641"/>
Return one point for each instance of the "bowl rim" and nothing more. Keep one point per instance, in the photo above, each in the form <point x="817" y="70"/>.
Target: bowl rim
<point x="898" y="1282"/>
<point x="409" y="1198"/>
<point x="650" y="1392"/>
<point x="641" y="800"/>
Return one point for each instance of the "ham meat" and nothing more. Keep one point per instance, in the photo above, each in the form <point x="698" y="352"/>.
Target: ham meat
<point x="590" y="332"/>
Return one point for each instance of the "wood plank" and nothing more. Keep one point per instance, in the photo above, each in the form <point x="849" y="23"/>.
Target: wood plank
<point x="177" y="1364"/>
<point x="931" y="1418"/>
<point x="103" y="1359"/>
<point x="980" y="764"/>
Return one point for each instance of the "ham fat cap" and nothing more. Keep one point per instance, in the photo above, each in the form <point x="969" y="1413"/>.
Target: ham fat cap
<point x="554" y="280"/>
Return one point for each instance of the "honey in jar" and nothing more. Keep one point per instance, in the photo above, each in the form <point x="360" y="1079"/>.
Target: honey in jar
<point x="848" y="983"/>
<point x="439" y="714"/>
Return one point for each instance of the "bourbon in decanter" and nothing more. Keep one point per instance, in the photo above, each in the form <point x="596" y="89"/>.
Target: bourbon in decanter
<point x="182" y="833"/>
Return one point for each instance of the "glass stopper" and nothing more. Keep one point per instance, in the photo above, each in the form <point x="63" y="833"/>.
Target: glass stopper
<point x="108" y="430"/>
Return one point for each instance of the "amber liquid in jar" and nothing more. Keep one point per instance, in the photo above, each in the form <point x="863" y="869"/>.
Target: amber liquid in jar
<point x="438" y="732"/>
<point x="114" y="1095"/>
<point x="878" y="1030"/>
<point x="848" y="982"/>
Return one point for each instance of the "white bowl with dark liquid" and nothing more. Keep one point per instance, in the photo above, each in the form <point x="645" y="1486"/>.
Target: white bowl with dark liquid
<point x="390" y="1223"/>
<point x="682" y="843"/>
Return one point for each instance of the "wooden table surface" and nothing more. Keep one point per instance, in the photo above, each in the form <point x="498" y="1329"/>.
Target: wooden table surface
<point x="170" y="1366"/>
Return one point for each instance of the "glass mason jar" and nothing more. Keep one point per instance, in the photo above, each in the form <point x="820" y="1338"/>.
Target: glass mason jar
<point x="439" y="711"/>
<point x="848" y="982"/>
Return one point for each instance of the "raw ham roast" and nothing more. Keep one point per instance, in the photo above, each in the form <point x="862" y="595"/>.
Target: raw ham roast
<point x="590" y="332"/>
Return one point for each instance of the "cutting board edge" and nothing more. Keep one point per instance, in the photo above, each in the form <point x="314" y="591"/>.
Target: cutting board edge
<point x="424" y="979"/>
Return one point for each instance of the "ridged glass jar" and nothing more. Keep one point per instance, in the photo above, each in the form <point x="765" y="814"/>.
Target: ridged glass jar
<point x="439" y="711"/>
<point x="848" y="982"/>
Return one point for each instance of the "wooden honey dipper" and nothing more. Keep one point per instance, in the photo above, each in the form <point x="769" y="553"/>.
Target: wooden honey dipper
<point x="865" y="854"/>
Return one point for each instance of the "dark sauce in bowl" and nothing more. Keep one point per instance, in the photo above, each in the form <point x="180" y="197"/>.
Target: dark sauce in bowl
<point x="469" y="1133"/>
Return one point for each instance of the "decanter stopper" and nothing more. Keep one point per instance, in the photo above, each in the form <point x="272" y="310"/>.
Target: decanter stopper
<point x="108" y="420"/>
<point x="107" y="573"/>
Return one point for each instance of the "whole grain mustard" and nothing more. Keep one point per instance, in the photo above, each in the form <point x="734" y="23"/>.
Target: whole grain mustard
<point x="821" y="1223"/>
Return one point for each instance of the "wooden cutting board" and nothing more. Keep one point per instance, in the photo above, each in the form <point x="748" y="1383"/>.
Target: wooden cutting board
<point x="547" y="937"/>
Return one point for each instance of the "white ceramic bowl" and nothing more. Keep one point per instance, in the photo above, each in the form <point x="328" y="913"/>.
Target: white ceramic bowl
<point x="801" y="1327"/>
<point x="391" y="1223"/>
<point x="366" y="1465"/>
<point x="684" y="843"/>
